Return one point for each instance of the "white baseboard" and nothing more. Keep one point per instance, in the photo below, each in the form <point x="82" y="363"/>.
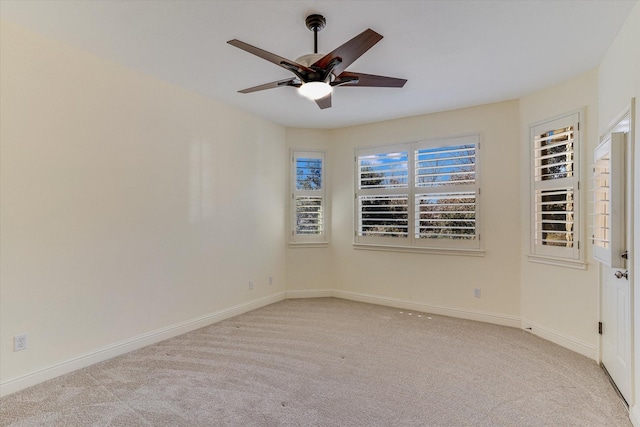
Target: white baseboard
<point x="634" y="415"/>
<point x="576" y="345"/>
<point x="499" y="319"/>
<point x="481" y="316"/>
<point x="314" y="293"/>
<point x="573" y="344"/>
<point x="107" y="352"/>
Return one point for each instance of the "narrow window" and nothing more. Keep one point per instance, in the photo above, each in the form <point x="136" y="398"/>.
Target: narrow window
<point x="308" y="197"/>
<point x="555" y="189"/>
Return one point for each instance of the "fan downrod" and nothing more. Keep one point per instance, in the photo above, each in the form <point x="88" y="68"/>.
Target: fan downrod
<point x="315" y="23"/>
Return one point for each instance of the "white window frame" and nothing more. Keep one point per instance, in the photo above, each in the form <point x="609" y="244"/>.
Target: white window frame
<point x="413" y="243"/>
<point x="540" y="250"/>
<point x="298" y="239"/>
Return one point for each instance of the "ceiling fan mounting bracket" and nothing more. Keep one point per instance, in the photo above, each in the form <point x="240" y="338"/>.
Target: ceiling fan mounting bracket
<point x="315" y="22"/>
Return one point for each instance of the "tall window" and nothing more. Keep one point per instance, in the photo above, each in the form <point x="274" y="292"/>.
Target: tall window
<point x="555" y="189"/>
<point x="308" y="197"/>
<point x="422" y="194"/>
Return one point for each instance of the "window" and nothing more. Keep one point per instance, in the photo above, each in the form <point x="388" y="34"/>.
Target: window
<point x="308" y="197"/>
<point x="608" y="196"/>
<point x="555" y="190"/>
<point x="419" y="195"/>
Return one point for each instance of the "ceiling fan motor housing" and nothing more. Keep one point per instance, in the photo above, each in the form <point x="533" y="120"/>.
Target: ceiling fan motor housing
<point x="309" y="59"/>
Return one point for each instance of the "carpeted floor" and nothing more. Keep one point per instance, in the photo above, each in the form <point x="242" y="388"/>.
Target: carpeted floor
<point x="331" y="362"/>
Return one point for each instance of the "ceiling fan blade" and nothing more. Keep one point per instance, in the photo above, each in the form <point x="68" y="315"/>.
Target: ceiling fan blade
<point x="350" y="51"/>
<point x="324" y="102"/>
<point x="279" y="83"/>
<point x="367" y="80"/>
<point x="285" y="63"/>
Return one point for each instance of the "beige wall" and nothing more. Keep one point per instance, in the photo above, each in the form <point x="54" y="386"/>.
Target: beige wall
<point x="561" y="303"/>
<point x="619" y="81"/>
<point x="311" y="269"/>
<point x="558" y="303"/>
<point x="128" y="205"/>
<point x="126" y="208"/>
<point x="428" y="280"/>
<point x="620" y="71"/>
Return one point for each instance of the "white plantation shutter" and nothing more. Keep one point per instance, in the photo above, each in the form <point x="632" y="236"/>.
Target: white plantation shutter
<point x="555" y="188"/>
<point x="384" y="216"/>
<point x="446" y="215"/>
<point x="448" y="165"/>
<point x="608" y="195"/>
<point x="554" y="210"/>
<point x="309" y="219"/>
<point x="422" y="194"/>
<point x="308" y="197"/>
<point x="446" y="193"/>
<point x="382" y="177"/>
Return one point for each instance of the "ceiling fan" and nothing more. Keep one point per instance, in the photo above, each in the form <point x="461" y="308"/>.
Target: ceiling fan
<point x="317" y="74"/>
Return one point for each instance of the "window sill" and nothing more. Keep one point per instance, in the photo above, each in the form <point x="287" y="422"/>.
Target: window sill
<point x="576" y="264"/>
<point x="420" y="250"/>
<point x="300" y="245"/>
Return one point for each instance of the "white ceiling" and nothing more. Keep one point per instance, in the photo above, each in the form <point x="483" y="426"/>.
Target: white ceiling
<point x="454" y="54"/>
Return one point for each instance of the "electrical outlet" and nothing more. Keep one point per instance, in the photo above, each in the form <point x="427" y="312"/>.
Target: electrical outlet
<point x="20" y="342"/>
<point x="476" y="293"/>
<point x="270" y="280"/>
<point x="251" y="284"/>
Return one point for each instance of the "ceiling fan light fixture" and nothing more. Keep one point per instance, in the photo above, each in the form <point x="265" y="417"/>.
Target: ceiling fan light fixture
<point x="315" y="90"/>
<point x="317" y="73"/>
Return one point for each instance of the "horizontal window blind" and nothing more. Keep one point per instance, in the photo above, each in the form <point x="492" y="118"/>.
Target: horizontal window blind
<point x="555" y="212"/>
<point x="555" y="188"/>
<point x="308" y="174"/>
<point x="445" y="166"/>
<point x="309" y="215"/>
<point x="383" y="170"/>
<point x="602" y="201"/>
<point x="419" y="194"/>
<point x="608" y="225"/>
<point x="554" y="154"/>
<point x="384" y="216"/>
<point x="308" y="197"/>
<point x="446" y="216"/>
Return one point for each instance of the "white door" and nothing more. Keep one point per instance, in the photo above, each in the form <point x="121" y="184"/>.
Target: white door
<point x="616" y="328"/>
<point x="616" y="275"/>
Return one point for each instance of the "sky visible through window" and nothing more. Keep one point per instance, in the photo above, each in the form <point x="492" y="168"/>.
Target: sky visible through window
<point x="434" y="166"/>
<point x="308" y="174"/>
<point x="438" y="214"/>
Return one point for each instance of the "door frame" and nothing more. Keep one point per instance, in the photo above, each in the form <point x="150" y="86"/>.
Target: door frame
<point x="629" y="190"/>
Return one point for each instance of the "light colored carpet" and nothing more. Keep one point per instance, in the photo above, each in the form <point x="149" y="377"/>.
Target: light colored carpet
<point x="331" y="362"/>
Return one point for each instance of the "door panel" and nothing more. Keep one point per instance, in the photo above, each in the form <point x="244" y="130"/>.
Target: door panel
<point x="616" y="290"/>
